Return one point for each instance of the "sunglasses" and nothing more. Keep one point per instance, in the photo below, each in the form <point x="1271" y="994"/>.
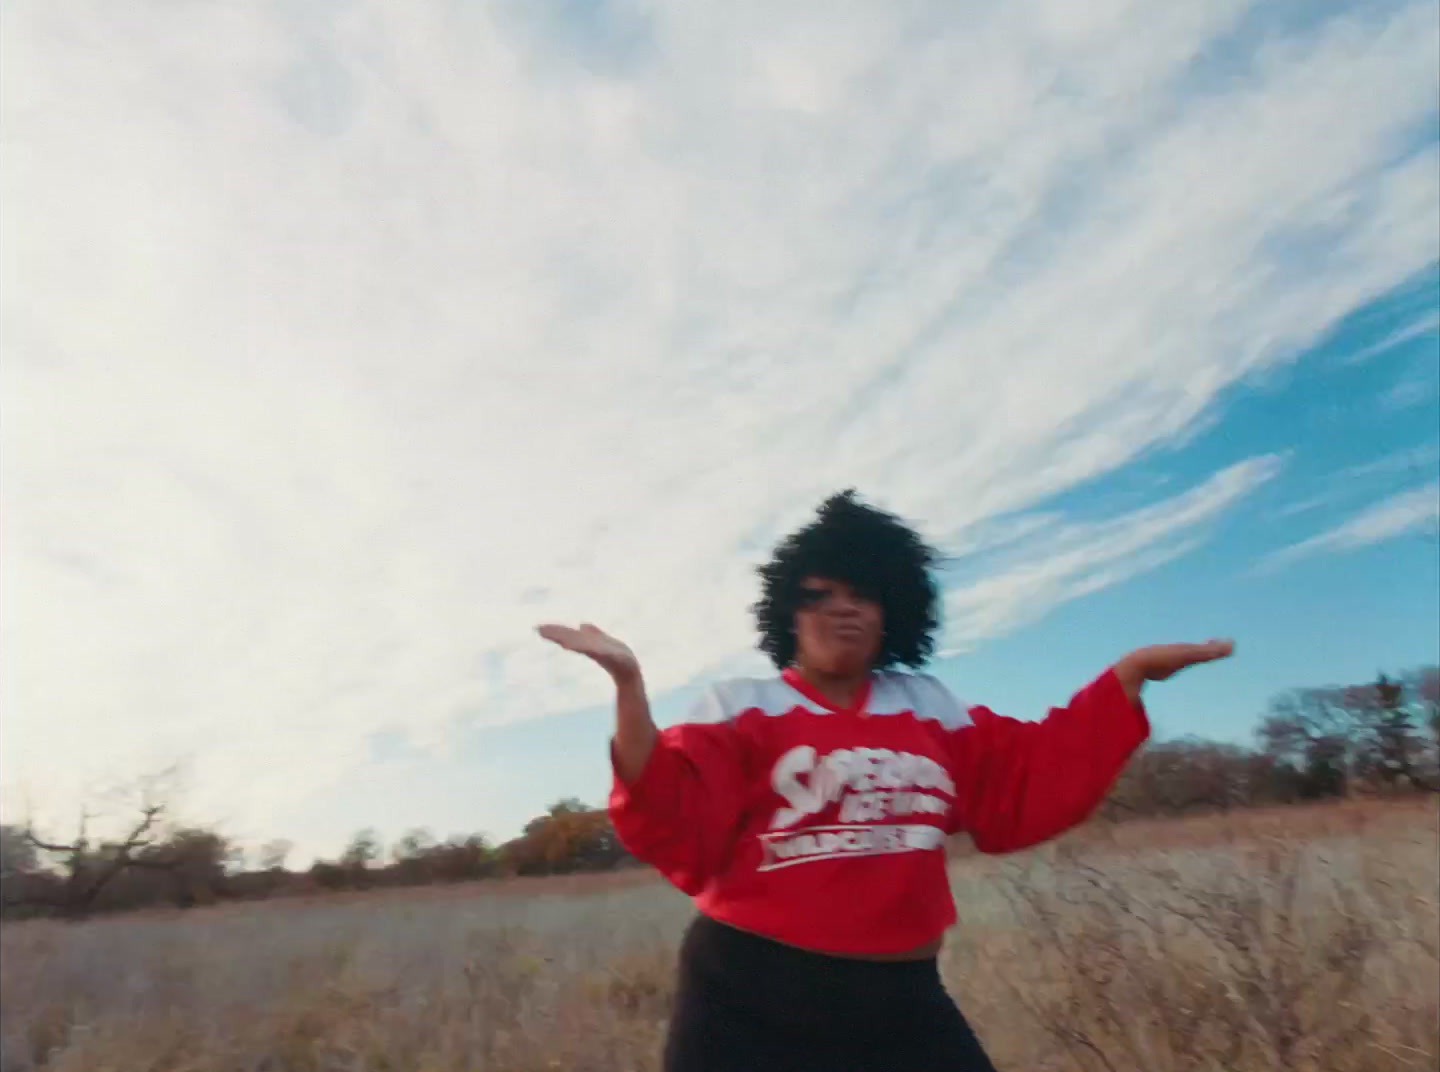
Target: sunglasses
<point x="809" y="597"/>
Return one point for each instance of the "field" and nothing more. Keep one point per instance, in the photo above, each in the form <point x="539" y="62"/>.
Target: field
<point x="1298" y="939"/>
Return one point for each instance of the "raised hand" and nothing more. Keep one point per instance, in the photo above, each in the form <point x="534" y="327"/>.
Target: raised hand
<point x="611" y="655"/>
<point x="635" y="732"/>
<point x="1162" y="661"/>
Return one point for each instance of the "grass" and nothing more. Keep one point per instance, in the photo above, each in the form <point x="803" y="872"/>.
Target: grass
<point x="1302" y="939"/>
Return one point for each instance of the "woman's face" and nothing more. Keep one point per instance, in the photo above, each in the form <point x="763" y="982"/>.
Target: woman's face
<point x="837" y="630"/>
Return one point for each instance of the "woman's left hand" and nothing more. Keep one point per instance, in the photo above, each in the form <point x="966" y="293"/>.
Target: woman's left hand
<point x="1165" y="660"/>
<point x="1161" y="661"/>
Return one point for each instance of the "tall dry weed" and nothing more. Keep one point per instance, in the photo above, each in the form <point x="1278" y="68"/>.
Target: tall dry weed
<point x="1185" y="954"/>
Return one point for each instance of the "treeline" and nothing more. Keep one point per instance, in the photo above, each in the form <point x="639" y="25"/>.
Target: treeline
<point x="185" y="867"/>
<point x="569" y="837"/>
<point x="1381" y="738"/>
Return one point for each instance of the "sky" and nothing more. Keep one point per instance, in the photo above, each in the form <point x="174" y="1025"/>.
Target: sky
<point x="342" y="343"/>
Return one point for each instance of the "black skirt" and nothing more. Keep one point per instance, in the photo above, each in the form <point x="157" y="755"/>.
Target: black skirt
<point x="747" y="1004"/>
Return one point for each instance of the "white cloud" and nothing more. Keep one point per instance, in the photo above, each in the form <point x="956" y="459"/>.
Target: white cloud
<point x="344" y="342"/>
<point x="1075" y="559"/>
<point x="1357" y="479"/>
<point x="1413" y="460"/>
<point x="1408" y="511"/>
<point x="1417" y="329"/>
<point x="1410" y="391"/>
<point x="1312" y="502"/>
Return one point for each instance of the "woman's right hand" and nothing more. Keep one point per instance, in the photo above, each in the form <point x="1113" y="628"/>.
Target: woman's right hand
<point x="611" y="655"/>
<point x="635" y="732"/>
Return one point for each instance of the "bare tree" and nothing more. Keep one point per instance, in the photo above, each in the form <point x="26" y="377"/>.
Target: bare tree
<point x="413" y="844"/>
<point x="88" y="872"/>
<point x="1392" y="722"/>
<point x="364" y="849"/>
<point x="1384" y="733"/>
<point x="187" y="864"/>
<point x="17" y="854"/>
<point x="273" y="854"/>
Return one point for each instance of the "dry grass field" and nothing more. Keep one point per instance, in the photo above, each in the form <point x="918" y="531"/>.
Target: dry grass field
<point x="1302" y="939"/>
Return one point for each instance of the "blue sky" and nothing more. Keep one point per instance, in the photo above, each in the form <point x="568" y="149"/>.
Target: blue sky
<point x="345" y="342"/>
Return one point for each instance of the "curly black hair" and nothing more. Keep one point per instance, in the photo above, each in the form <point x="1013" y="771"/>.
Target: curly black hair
<point x="869" y="549"/>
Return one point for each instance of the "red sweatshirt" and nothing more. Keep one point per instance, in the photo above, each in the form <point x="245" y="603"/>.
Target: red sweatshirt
<point x="786" y="816"/>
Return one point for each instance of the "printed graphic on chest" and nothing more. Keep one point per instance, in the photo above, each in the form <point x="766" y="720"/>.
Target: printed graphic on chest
<point x="869" y="784"/>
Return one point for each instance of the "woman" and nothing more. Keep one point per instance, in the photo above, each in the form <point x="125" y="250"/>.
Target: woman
<point x="807" y="814"/>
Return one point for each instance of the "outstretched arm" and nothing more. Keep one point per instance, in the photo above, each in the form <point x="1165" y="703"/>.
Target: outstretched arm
<point x="1159" y="662"/>
<point x="634" y="729"/>
<point x="1022" y="783"/>
<point x="675" y="800"/>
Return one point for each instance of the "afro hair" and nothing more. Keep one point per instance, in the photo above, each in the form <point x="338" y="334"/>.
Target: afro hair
<point x="869" y="549"/>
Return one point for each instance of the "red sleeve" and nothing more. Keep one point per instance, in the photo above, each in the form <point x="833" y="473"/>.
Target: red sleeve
<point x="682" y="814"/>
<point x="1021" y="783"/>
